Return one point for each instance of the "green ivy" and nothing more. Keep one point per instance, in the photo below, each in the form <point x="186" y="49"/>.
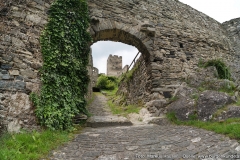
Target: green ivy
<point x="64" y="75"/>
<point x="222" y="69"/>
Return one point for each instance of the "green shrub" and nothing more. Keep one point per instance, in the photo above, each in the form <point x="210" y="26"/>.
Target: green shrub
<point x="64" y="75"/>
<point x="222" y="69"/>
<point x="107" y="82"/>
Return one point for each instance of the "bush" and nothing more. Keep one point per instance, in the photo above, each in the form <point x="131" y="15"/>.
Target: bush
<point x="222" y="69"/>
<point x="107" y="82"/>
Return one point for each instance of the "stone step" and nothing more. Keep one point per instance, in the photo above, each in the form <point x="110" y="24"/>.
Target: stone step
<point x="107" y="121"/>
<point x="162" y="121"/>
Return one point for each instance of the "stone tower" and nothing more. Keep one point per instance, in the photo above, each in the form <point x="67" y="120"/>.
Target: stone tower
<point x="114" y="65"/>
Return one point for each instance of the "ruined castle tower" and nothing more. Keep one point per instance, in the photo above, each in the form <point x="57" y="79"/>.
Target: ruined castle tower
<point x="114" y="65"/>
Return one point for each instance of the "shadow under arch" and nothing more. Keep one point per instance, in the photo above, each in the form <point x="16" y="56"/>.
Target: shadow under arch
<point x="118" y="35"/>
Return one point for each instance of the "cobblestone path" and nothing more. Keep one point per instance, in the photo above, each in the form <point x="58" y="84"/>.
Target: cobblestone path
<point x="146" y="142"/>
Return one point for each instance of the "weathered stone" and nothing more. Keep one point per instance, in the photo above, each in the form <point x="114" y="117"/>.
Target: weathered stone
<point x="14" y="127"/>
<point x="20" y="65"/>
<point x="6" y="77"/>
<point x="230" y="112"/>
<point x="185" y="91"/>
<point x="14" y="72"/>
<point x="114" y="65"/>
<point x="28" y="73"/>
<point x="24" y="52"/>
<point x="183" y="108"/>
<point x="160" y="26"/>
<point x="7" y="58"/>
<point x="36" y="65"/>
<point x="95" y="76"/>
<point x="34" y="18"/>
<point x="6" y="66"/>
<point x="19" y="103"/>
<point x="156" y="103"/>
<point x="18" y="43"/>
<point x="33" y="87"/>
<point x="209" y="102"/>
<point x="9" y="85"/>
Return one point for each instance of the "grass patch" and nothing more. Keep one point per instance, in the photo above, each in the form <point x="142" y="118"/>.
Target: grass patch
<point x="238" y="102"/>
<point x="195" y="96"/>
<point x="123" y="110"/>
<point x="110" y="92"/>
<point x="31" y="145"/>
<point x="230" y="127"/>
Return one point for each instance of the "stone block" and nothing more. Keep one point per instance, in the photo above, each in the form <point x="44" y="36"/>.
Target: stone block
<point x="18" y="43"/>
<point x="6" y="77"/>
<point x="19" y="103"/>
<point x="7" y="58"/>
<point x="14" y="127"/>
<point x="209" y="102"/>
<point x="19" y="78"/>
<point x="183" y="108"/>
<point x="36" y="65"/>
<point x="20" y="65"/>
<point x="28" y="73"/>
<point x="6" y="66"/>
<point x="33" y="87"/>
<point x="9" y="85"/>
<point x="14" y="72"/>
<point x="33" y="18"/>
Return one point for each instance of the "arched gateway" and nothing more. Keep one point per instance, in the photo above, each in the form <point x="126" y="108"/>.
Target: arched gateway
<point x="171" y="36"/>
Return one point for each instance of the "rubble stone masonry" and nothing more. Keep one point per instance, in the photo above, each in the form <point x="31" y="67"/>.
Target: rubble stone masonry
<point x="171" y="36"/>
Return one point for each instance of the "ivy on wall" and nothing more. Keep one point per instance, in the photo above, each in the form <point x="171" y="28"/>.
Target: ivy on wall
<point x="64" y="75"/>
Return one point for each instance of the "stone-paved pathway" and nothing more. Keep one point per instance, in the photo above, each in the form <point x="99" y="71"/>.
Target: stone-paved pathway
<point x="146" y="142"/>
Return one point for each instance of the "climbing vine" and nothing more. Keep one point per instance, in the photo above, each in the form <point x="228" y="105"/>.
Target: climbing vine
<point x="64" y="75"/>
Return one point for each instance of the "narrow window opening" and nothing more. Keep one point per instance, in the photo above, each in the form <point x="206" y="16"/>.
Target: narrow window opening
<point x="181" y="45"/>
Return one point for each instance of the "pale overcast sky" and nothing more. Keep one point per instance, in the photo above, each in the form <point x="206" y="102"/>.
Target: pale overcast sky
<point x="220" y="10"/>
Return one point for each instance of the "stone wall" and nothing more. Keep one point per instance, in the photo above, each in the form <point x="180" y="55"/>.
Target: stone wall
<point x="125" y="69"/>
<point x="136" y="89"/>
<point x="114" y="65"/>
<point x="90" y="74"/>
<point x="21" y="23"/>
<point x="95" y="76"/>
<point x="233" y="31"/>
<point x="171" y="36"/>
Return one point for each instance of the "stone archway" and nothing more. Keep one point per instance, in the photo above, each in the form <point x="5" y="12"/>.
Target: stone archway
<point x="141" y="81"/>
<point x="171" y="35"/>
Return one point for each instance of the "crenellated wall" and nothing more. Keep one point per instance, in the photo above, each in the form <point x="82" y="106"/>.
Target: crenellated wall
<point x="171" y="36"/>
<point x="114" y="65"/>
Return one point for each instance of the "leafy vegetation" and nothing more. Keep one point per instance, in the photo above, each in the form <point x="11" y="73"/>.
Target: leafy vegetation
<point x="129" y="75"/>
<point x="230" y="127"/>
<point x="64" y="75"/>
<point x="31" y="145"/>
<point x="123" y="110"/>
<point x="107" y="82"/>
<point x="222" y="69"/>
